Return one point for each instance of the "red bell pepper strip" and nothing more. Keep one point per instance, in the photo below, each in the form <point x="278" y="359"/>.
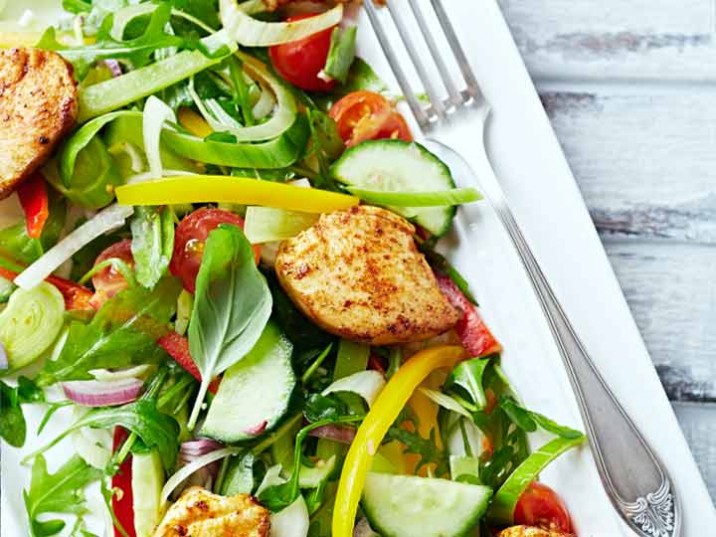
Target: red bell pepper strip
<point x="471" y="329"/>
<point x="77" y="297"/>
<point x="177" y="347"/>
<point x="123" y="499"/>
<point x="33" y="198"/>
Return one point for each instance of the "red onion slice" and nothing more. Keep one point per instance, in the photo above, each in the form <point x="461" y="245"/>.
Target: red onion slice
<point x="196" y="448"/>
<point x="337" y="433"/>
<point x="114" y="67"/>
<point x="97" y="393"/>
<point x="4" y="363"/>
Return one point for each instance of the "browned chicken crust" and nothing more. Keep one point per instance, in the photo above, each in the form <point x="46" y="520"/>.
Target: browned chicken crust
<point x="199" y="513"/>
<point x="38" y="106"/>
<point x="528" y="531"/>
<point x="358" y="274"/>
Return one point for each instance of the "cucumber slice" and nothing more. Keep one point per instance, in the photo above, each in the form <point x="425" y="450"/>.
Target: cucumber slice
<point x="147" y="482"/>
<point x="30" y="323"/>
<point x="398" y="166"/>
<point x="254" y="393"/>
<point x="405" y="506"/>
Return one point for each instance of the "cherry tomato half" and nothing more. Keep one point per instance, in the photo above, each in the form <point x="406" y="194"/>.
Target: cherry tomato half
<point x="109" y="281"/>
<point x="300" y="61"/>
<point x="191" y="233"/>
<point x="541" y="507"/>
<point x="365" y="115"/>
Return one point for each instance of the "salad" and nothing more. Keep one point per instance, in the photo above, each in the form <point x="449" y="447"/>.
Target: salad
<point x="225" y="268"/>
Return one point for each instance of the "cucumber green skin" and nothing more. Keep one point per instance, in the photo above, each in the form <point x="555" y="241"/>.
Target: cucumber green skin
<point x="457" y="524"/>
<point x="246" y="387"/>
<point x="340" y="171"/>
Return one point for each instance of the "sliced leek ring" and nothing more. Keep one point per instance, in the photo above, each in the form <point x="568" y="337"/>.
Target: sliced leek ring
<point x="30" y="323"/>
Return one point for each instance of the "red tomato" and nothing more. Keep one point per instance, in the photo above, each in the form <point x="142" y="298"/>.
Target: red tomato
<point x="33" y="198"/>
<point x="77" y="297"/>
<point x="300" y="61"/>
<point x="471" y="329"/>
<point x="109" y="281"/>
<point x="189" y="240"/>
<point x="178" y="348"/>
<point x="365" y="115"/>
<point x="122" y="499"/>
<point x="541" y="507"/>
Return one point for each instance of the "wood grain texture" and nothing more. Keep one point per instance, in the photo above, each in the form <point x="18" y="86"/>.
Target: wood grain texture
<point x="629" y="87"/>
<point x="698" y="421"/>
<point x="663" y="41"/>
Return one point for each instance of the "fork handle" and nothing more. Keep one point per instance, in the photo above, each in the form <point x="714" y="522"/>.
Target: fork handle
<point x="636" y="482"/>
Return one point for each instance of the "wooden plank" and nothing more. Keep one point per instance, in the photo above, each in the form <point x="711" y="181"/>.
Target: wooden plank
<point x="672" y="293"/>
<point x="645" y="162"/>
<point x="698" y="421"/>
<point x="660" y="40"/>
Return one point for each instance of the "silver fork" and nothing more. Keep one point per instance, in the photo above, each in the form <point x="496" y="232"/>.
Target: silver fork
<point x="636" y="482"/>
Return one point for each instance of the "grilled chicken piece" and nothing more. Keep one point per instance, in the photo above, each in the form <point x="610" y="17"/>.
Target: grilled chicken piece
<point x="529" y="531"/>
<point x="358" y="274"/>
<point x="38" y="106"/>
<point x="199" y="513"/>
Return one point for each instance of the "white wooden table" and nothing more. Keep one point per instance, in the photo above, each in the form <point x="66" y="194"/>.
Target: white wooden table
<point x="630" y="87"/>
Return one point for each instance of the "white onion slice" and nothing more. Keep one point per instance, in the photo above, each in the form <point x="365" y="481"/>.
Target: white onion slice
<point x="105" y="221"/>
<point x="107" y="375"/>
<point x="4" y="364"/>
<point x="293" y="521"/>
<point x="184" y="472"/>
<point x="251" y="32"/>
<point x="114" y="67"/>
<point x="156" y="113"/>
<point x="367" y="384"/>
<point x="96" y="393"/>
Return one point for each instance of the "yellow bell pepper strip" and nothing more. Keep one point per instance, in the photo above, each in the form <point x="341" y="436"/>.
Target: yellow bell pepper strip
<point x="226" y="189"/>
<point x="371" y="432"/>
<point x="194" y="123"/>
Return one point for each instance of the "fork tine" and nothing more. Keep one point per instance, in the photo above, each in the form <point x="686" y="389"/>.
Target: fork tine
<point x="420" y="115"/>
<point x="473" y="88"/>
<point x="435" y="101"/>
<point x="455" y="97"/>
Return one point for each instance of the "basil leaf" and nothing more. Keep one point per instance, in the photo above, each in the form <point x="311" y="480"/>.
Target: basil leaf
<point x="152" y="243"/>
<point x="13" y="428"/>
<point x="231" y="308"/>
<point x="122" y="333"/>
<point x="59" y="493"/>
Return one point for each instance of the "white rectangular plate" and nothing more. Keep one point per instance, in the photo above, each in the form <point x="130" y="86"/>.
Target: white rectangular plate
<point x="548" y="205"/>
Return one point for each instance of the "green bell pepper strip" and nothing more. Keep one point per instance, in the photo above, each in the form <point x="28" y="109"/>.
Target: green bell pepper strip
<point x="117" y="92"/>
<point x="506" y="498"/>
<point x="277" y="153"/>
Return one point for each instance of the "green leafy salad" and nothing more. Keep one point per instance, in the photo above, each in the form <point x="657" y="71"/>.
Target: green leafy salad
<point x="219" y="263"/>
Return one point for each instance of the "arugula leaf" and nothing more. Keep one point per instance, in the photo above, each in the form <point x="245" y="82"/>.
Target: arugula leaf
<point x="278" y="497"/>
<point x="414" y="443"/>
<point x="122" y="333"/>
<point x="468" y="377"/>
<point x="231" y="307"/>
<point x="61" y="492"/>
<point x="137" y="50"/>
<point x="152" y="243"/>
<point x="13" y="428"/>
<point x="529" y="420"/>
<point x="327" y="145"/>
<point x="155" y="429"/>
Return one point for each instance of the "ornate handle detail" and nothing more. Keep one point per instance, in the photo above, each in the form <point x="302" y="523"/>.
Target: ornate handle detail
<point x="636" y="482"/>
